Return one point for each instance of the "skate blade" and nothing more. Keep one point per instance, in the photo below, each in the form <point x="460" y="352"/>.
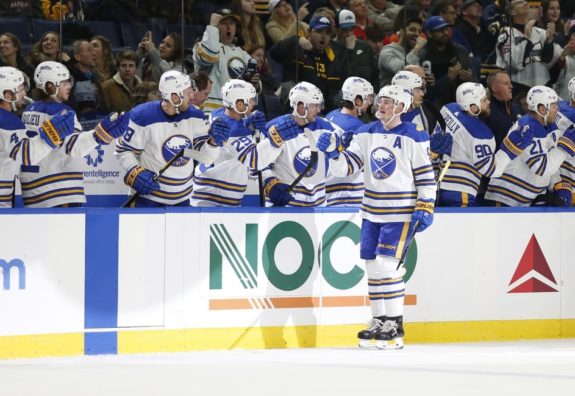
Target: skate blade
<point x="366" y="344"/>
<point x="390" y="345"/>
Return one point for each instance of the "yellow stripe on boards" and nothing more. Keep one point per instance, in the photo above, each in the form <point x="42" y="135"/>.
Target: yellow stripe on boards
<point x="41" y="345"/>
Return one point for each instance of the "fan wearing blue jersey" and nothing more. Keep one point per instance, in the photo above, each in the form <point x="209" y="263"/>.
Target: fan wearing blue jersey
<point x="224" y="182"/>
<point x="473" y="152"/>
<point x="19" y="147"/>
<point x="535" y="170"/>
<point x="57" y="180"/>
<point x="306" y="100"/>
<point x="566" y="120"/>
<point x="399" y="199"/>
<point x="160" y="130"/>
<point x="357" y="98"/>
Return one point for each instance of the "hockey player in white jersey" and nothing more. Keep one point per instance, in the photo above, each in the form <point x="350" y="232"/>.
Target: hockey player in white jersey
<point x="473" y="152"/>
<point x="565" y="120"/>
<point x="224" y="182"/>
<point x="357" y="97"/>
<point x="159" y="130"/>
<point x="535" y="169"/>
<point x="399" y="199"/>
<point x="306" y="100"/>
<point x="19" y="147"/>
<point x="57" y="180"/>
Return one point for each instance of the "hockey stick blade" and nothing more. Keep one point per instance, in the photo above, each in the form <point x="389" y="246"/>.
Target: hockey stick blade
<point x="312" y="160"/>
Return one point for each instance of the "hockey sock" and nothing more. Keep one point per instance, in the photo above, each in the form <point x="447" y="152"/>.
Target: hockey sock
<point x="393" y="290"/>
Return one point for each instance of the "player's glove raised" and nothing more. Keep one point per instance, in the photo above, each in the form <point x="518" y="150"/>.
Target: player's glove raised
<point x="112" y="127"/>
<point x="440" y="143"/>
<point x="286" y="129"/>
<point x="564" y="192"/>
<point x="422" y="215"/>
<point x="257" y="119"/>
<point x="566" y="142"/>
<point x="346" y="138"/>
<point x="278" y="193"/>
<point x="57" y="128"/>
<point x="219" y="132"/>
<point x="330" y="144"/>
<point x="142" y="180"/>
<point x="516" y="141"/>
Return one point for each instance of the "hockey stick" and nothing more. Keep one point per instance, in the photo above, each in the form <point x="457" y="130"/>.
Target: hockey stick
<point x="257" y="135"/>
<point x="311" y="163"/>
<point x="192" y="154"/>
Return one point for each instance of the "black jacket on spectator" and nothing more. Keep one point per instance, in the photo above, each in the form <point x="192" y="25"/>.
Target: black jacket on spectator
<point x="362" y="60"/>
<point x="502" y="117"/>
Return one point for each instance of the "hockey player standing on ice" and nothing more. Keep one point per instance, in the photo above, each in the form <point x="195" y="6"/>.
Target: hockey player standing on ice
<point x="565" y="120"/>
<point x="19" y="147"/>
<point x="357" y="98"/>
<point x="159" y="130"/>
<point x="535" y="169"/>
<point x="306" y="100"/>
<point x="473" y="152"/>
<point x="57" y="180"/>
<point x="225" y="181"/>
<point x="399" y="199"/>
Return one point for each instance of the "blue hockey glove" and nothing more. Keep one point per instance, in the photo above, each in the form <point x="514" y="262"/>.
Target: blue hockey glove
<point x="330" y="144"/>
<point x="440" y="143"/>
<point x="219" y="132"/>
<point x="57" y="128"/>
<point x="516" y="141"/>
<point x="277" y="192"/>
<point x="142" y="180"/>
<point x="566" y="142"/>
<point x="257" y="119"/>
<point x="113" y="126"/>
<point x="286" y="129"/>
<point x="564" y="192"/>
<point x="423" y="215"/>
<point x="346" y="138"/>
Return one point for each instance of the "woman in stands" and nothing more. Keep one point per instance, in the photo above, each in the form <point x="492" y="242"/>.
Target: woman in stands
<point x="251" y="31"/>
<point x="11" y="54"/>
<point x="105" y="63"/>
<point x="47" y="49"/>
<point x="284" y="23"/>
<point x="268" y="84"/>
<point x="155" y="62"/>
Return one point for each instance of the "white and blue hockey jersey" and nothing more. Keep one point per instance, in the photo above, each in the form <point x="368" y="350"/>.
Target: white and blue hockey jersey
<point x="153" y="138"/>
<point x="532" y="172"/>
<point x="57" y="179"/>
<point x="224" y="182"/>
<point x="397" y="170"/>
<point x="295" y="156"/>
<point x="565" y="120"/>
<point x="347" y="190"/>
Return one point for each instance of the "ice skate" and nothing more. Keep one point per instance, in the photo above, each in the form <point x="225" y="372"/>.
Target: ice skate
<point x="367" y="336"/>
<point x="391" y="334"/>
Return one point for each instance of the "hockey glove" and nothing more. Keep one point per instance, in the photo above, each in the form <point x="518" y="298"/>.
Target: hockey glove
<point x="517" y="141"/>
<point x="113" y="126"/>
<point x="566" y="142"/>
<point x="564" y="193"/>
<point x="439" y="144"/>
<point x="422" y="215"/>
<point x="57" y="128"/>
<point x="277" y="192"/>
<point x="346" y="138"/>
<point x="257" y="119"/>
<point x="286" y="129"/>
<point x="219" y="132"/>
<point x="330" y="144"/>
<point x="142" y="180"/>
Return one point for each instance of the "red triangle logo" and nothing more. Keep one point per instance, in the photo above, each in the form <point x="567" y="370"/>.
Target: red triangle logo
<point x="533" y="260"/>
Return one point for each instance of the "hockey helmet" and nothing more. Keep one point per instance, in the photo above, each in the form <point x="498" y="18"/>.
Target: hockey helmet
<point x="356" y="86"/>
<point x="174" y="82"/>
<point x="10" y="80"/>
<point x="305" y="93"/>
<point x="399" y="95"/>
<point x="50" y="72"/>
<point x="468" y="94"/>
<point x="407" y="79"/>
<point x="541" y="95"/>
<point x="234" y="91"/>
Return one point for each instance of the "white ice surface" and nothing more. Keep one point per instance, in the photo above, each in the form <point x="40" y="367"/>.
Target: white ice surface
<point x="545" y="368"/>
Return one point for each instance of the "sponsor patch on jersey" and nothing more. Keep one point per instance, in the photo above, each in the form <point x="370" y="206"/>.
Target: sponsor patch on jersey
<point x="173" y="145"/>
<point x="95" y="157"/>
<point x="301" y="160"/>
<point x="382" y="163"/>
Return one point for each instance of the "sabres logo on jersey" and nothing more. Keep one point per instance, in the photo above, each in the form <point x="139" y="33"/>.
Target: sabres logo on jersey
<point x="301" y="160"/>
<point x="172" y="146"/>
<point x="382" y="163"/>
<point x="236" y="67"/>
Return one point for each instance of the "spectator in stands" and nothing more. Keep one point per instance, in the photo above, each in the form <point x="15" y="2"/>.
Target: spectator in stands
<point x="445" y="9"/>
<point x="469" y="26"/>
<point x="105" y="63"/>
<point x="394" y="56"/>
<point x="147" y="91"/>
<point x="503" y="111"/>
<point x="424" y="6"/>
<point x="332" y="5"/>
<point x="457" y="6"/>
<point x="375" y="38"/>
<point x="155" y="62"/>
<point x="552" y="14"/>
<point x="566" y="64"/>
<point x="251" y="31"/>
<point x="11" y="54"/>
<point x="20" y="8"/>
<point x="71" y="10"/>
<point x="383" y="14"/>
<point x="268" y="83"/>
<point x="47" y="49"/>
<point x="86" y="96"/>
<point x="284" y="23"/>
<point x="359" y="9"/>
<point x="493" y="18"/>
<point x="118" y="91"/>
<point x="219" y="57"/>
<point x="202" y="90"/>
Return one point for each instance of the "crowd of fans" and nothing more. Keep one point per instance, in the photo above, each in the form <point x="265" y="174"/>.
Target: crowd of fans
<point x="507" y="45"/>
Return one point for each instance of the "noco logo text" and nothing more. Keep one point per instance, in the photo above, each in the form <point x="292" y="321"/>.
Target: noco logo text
<point x="12" y="270"/>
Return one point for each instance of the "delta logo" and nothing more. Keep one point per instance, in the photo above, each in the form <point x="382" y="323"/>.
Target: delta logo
<point x="533" y="274"/>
